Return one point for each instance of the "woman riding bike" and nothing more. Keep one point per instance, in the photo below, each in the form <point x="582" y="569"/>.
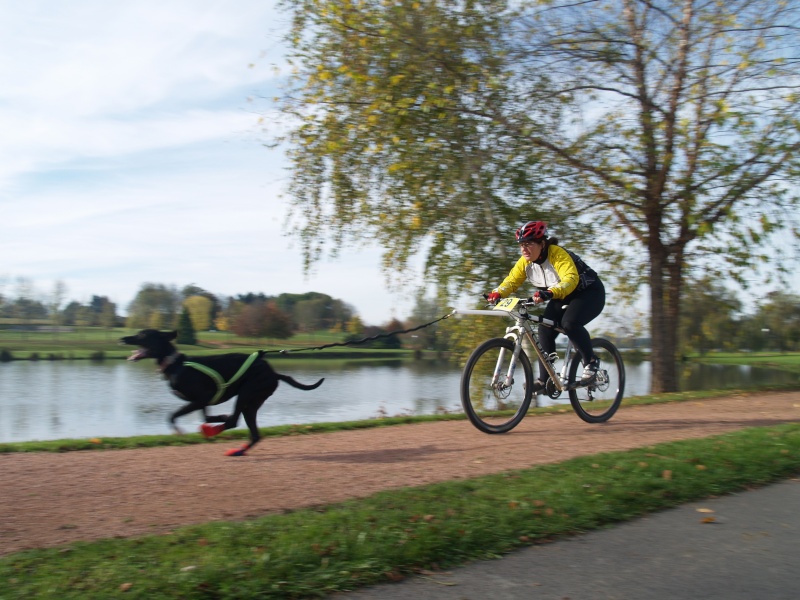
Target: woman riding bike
<point x="575" y="292"/>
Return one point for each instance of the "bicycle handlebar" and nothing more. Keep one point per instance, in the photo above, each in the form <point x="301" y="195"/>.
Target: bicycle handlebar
<point x="514" y="314"/>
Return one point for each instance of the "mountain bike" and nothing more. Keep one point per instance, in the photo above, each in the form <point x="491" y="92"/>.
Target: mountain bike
<point x="497" y="381"/>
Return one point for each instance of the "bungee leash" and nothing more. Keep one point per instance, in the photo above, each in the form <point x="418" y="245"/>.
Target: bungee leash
<point x="364" y="340"/>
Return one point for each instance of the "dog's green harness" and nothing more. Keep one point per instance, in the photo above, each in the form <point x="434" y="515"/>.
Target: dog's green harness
<point x="222" y="385"/>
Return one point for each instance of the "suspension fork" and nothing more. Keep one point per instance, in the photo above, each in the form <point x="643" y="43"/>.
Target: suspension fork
<point x="513" y="334"/>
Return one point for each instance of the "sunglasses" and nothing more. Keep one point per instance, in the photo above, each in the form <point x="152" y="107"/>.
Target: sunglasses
<point x="527" y="244"/>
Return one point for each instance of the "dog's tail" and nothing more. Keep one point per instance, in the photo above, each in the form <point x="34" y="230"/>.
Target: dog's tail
<point x="297" y="384"/>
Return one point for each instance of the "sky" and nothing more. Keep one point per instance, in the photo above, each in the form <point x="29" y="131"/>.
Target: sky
<point x="132" y="151"/>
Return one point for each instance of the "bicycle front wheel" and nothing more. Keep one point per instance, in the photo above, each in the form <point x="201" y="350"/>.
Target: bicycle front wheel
<point x="494" y="402"/>
<point x="597" y="402"/>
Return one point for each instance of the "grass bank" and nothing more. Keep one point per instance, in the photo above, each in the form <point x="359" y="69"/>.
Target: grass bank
<point x="152" y="441"/>
<point x="786" y="361"/>
<point x="95" y="343"/>
<point x="310" y="553"/>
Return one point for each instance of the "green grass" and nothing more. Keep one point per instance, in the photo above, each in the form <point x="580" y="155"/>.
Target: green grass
<point x="787" y="361"/>
<point x="95" y="342"/>
<point x="313" y="552"/>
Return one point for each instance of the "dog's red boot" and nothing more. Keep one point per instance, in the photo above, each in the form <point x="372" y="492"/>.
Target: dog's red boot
<point x="237" y="451"/>
<point x="209" y="430"/>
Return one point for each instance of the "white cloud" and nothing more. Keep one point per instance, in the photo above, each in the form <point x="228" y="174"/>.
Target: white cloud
<point x="130" y="154"/>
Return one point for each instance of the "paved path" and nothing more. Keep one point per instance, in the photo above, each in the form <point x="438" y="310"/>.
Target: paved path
<point x="748" y="548"/>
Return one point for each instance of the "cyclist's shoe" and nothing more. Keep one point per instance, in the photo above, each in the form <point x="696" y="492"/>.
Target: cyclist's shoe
<point x="538" y="386"/>
<point x="590" y="371"/>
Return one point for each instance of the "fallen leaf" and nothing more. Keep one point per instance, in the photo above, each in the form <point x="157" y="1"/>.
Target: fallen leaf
<point x="708" y="520"/>
<point x="666" y="475"/>
<point x="700" y="467"/>
<point x="705" y="510"/>
<point x="125" y="587"/>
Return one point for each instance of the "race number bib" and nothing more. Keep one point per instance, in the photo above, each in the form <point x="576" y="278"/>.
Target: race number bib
<point x="506" y="304"/>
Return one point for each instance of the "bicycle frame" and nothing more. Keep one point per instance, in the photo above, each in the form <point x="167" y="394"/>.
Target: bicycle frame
<point x="517" y="309"/>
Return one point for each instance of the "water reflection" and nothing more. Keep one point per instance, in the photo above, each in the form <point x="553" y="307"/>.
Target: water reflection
<point x="77" y="399"/>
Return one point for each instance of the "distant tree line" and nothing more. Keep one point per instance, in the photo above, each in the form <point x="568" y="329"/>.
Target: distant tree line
<point x="162" y="306"/>
<point x="190" y="310"/>
<point x="26" y="307"/>
<point x="713" y="318"/>
<point x="251" y="314"/>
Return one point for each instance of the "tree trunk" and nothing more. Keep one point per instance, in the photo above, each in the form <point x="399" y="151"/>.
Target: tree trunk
<point x="672" y="311"/>
<point x="663" y="321"/>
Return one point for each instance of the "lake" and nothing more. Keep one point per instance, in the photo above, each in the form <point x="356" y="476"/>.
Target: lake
<point x="47" y="400"/>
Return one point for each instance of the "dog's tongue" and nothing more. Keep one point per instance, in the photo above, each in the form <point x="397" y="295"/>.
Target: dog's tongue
<point x="138" y="354"/>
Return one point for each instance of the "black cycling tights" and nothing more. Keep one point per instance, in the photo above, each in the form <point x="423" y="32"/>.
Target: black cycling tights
<point x="581" y="308"/>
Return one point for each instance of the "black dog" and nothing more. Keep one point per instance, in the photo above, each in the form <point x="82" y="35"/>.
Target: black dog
<point x="207" y="381"/>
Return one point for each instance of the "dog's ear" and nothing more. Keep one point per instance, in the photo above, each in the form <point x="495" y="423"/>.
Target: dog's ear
<point x="172" y="335"/>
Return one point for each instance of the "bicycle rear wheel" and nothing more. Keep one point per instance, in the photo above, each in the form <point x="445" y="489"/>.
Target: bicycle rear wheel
<point x="491" y="404"/>
<point x="599" y="401"/>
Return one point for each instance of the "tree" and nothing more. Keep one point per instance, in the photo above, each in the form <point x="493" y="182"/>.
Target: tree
<point x="3" y="299"/>
<point x="108" y="316"/>
<point x="313" y="311"/>
<point x="262" y="319"/>
<point x="222" y="323"/>
<point x="389" y="145"/>
<point x="200" y="309"/>
<point x="56" y="299"/>
<point x="278" y="324"/>
<point x="186" y="331"/>
<point x="668" y="129"/>
<point x="355" y="327"/>
<point x="708" y="320"/>
<point x="430" y="338"/>
<point x="195" y="290"/>
<point x="70" y="313"/>
<point x="155" y="305"/>
<point x="779" y="315"/>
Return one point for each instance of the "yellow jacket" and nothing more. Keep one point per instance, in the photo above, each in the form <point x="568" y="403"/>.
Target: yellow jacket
<point x="562" y="273"/>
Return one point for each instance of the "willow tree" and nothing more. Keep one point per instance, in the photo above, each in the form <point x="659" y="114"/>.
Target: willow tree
<point x="389" y="145"/>
<point x="668" y="129"/>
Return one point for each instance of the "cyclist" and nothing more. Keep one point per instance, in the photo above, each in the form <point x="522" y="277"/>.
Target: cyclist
<point x="575" y="292"/>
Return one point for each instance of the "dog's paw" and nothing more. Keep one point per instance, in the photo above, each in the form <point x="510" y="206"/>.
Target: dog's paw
<point x="209" y="430"/>
<point x="236" y="451"/>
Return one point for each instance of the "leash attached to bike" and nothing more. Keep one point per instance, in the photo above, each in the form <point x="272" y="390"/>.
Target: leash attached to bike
<point x="363" y="340"/>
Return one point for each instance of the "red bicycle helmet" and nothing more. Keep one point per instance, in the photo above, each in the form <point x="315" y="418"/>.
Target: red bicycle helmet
<point x="532" y="231"/>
